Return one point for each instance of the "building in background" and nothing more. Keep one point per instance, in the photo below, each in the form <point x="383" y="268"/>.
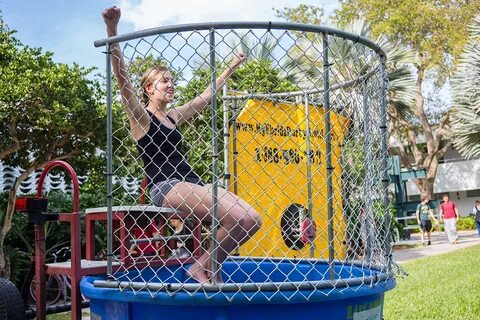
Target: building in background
<point x="457" y="177"/>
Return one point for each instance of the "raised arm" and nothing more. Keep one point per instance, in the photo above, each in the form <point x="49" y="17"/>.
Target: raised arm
<point x="195" y="106"/>
<point x="137" y="117"/>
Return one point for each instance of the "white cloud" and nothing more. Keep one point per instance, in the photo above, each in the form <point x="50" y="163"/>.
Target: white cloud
<point x="145" y="14"/>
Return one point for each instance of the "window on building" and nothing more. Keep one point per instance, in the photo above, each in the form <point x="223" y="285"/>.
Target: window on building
<point x="414" y="198"/>
<point x="439" y="196"/>
<point x="473" y="193"/>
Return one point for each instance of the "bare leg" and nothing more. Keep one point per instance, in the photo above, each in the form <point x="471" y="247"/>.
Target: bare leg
<point x="197" y="199"/>
<point x="251" y="223"/>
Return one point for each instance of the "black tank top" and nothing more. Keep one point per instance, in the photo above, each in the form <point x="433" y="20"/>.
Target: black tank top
<point x="162" y="154"/>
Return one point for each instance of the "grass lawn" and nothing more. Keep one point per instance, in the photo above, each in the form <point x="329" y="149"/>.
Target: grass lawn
<point x="443" y="287"/>
<point x="63" y="316"/>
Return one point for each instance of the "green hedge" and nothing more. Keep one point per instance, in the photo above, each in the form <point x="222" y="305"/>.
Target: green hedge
<point x="466" y="223"/>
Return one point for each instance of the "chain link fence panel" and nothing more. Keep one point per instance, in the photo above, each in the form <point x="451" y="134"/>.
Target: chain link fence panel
<point x="291" y="153"/>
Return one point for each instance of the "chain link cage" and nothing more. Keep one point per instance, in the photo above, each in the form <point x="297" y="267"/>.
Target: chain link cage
<point x="291" y="150"/>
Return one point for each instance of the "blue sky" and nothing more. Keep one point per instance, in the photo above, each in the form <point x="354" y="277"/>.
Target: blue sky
<point x="68" y="28"/>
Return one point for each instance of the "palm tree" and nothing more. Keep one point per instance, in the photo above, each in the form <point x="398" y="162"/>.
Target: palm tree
<point x="466" y="96"/>
<point x="257" y="49"/>
<point x="351" y="61"/>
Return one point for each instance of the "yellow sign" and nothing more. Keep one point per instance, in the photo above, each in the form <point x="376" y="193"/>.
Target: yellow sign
<point x="271" y="159"/>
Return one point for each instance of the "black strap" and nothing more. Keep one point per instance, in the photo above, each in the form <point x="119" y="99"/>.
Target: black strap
<point x="477" y="215"/>
<point x="152" y="115"/>
<point x="171" y="119"/>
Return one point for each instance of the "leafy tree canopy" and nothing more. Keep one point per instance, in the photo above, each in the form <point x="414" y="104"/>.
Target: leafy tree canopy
<point x="466" y="95"/>
<point x="435" y="29"/>
<point x="47" y="110"/>
<point x="304" y="13"/>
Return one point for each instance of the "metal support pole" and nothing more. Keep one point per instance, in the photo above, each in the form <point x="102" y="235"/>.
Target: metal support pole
<point x="226" y="138"/>
<point x="385" y="177"/>
<point x="367" y="183"/>
<point x="234" y="146"/>
<point x="235" y="153"/>
<point x="109" y="171"/>
<point x="328" y="151"/>
<point x="215" y="222"/>
<point x="308" y="151"/>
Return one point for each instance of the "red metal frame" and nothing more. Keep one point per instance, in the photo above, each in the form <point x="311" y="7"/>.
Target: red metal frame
<point x="125" y="258"/>
<point x="74" y="270"/>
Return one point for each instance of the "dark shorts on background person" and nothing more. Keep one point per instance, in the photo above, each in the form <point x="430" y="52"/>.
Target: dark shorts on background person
<point x="426" y="225"/>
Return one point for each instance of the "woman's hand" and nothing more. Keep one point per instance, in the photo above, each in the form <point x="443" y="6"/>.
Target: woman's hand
<point x="111" y="16"/>
<point x="239" y="58"/>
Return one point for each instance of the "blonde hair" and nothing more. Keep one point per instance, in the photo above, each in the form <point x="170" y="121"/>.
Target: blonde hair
<point x="148" y="78"/>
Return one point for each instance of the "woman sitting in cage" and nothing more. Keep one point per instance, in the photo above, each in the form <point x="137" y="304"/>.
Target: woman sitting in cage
<point x="172" y="181"/>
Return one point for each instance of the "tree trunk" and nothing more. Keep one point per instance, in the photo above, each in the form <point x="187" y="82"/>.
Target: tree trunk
<point x="426" y="186"/>
<point x="7" y="222"/>
<point x="428" y="161"/>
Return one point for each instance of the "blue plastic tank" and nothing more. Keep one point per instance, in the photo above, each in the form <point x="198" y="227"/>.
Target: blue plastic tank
<point x="298" y="289"/>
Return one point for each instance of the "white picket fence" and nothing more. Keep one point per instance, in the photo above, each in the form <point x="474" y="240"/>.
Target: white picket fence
<point x="53" y="182"/>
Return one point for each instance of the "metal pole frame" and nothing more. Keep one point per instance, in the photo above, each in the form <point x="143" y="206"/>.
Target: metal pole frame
<point x="377" y="275"/>
<point x="226" y="136"/>
<point x="385" y="176"/>
<point x="367" y="184"/>
<point x="214" y="209"/>
<point x="327" y="88"/>
<point x="109" y="171"/>
<point x="308" y="151"/>
<point x="328" y="151"/>
<point x="234" y="147"/>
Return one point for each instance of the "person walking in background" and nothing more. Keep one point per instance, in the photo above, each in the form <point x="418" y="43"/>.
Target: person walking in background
<point x="476" y="212"/>
<point x="424" y="213"/>
<point x="449" y="214"/>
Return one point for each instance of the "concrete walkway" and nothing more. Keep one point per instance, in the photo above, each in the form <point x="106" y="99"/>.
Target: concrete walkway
<point x="440" y="245"/>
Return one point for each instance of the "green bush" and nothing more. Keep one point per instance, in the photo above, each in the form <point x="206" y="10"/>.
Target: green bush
<point x="466" y="223"/>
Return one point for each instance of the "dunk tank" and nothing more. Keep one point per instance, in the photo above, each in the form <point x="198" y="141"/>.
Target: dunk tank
<point x="298" y="132"/>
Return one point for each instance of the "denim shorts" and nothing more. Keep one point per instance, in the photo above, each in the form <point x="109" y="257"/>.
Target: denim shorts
<point x="159" y="191"/>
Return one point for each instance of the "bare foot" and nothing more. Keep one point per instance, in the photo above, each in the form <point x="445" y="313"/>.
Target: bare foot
<point x="218" y="277"/>
<point x="197" y="273"/>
